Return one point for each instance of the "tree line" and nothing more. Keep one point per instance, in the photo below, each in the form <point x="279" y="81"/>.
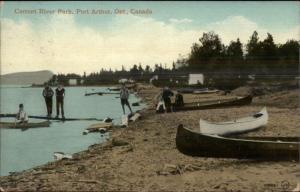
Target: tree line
<point x="212" y="58"/>
<point x="210" y="55"/>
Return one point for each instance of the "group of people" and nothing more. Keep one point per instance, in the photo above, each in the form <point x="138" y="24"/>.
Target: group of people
<point x="22" y="117"/>
<point x="165" y="104"/>
<point x="48" y="95"/>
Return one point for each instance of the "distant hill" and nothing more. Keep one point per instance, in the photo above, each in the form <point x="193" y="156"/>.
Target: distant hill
<point x="26" y="78"/>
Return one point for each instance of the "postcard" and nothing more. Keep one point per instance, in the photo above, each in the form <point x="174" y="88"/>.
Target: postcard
<point x="149" y="96"/>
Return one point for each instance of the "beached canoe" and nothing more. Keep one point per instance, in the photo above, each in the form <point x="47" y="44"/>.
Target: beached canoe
<point x="14" y="125"/>
<point x="100" y="125"/>
<point x="237" y="126"/>
<point x="191" y="90"/>
<point x="271" y="148"/>
<point x="208" y="91"/>
<point x="238" y="101"/>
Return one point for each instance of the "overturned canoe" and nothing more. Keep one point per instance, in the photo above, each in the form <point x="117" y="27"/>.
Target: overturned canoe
<point x="14" y="125"/>
<point x="237" y="126"/>
<point x="272" y="148"/>
<point x="238" y="101"/>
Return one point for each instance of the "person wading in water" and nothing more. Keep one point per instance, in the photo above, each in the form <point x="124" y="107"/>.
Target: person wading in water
<point x="60" y="94"/>
<point x="48" y="94"/>
<point x="124" y="95"/>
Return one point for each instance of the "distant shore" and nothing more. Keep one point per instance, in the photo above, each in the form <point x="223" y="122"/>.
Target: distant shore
<point x="143" y="157"/>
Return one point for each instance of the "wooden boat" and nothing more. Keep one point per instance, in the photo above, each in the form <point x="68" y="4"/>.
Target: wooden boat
<point x="100" y="125"/>
<point x="14" y="125"/>
<point x="208" y="91"/>
<point x="101" y="93"/>
<point x="114" y="89"/>
<point x="238" y="101"/>
<point x="241" y="125"/>
<point x="272" y="148"/>
<point x="52" y="118"/>
<point x="191" y="90"/>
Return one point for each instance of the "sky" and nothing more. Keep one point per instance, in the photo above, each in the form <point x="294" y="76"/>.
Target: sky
<point x="68" y="37"/>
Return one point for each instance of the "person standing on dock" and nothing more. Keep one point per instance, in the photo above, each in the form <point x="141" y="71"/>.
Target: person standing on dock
<point x="124" y="95"/>
<point x="48" y="94"/>
<point x="60" y="94"/>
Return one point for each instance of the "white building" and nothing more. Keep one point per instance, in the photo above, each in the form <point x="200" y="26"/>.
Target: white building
<point x="196" y="79"/>
<point x="72" y="81"/>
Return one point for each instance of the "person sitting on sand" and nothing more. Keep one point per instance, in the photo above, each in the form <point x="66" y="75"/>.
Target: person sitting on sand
<point x="124" y="95"/>
<point x="21" y="116"/>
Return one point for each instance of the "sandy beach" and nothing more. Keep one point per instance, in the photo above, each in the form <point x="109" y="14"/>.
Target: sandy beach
<point x="143" y="157"/>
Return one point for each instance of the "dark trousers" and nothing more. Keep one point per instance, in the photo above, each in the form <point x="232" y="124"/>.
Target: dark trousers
<point x="167" y="101"/>
<point x="49" y="105"/>
<point x="60" y="104"/>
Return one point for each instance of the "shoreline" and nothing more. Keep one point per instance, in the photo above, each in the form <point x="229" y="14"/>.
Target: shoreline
<point x="143" y="157"/>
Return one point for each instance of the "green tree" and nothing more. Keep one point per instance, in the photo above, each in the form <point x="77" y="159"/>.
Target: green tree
<point x="269" y="49"/>
<point x="253" y="46"/>
<point x="205" y="54"/>
<point x="235" y="50"/>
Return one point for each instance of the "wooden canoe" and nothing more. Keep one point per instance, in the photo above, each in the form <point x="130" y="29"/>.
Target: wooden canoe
<point x="238" y="101"/>
<point x="100" y="125"/>
<point x="51" y="118"/>
<point x="14" y="125"/>
<point x="270" y="148"/>
<point x="237" y="126"/>
<point x="206" y="91"/>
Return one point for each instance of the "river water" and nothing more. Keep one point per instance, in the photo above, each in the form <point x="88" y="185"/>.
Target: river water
<point x="21" y="150"/>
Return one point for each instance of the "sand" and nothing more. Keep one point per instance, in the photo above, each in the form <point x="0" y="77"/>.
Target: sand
<point x="143" y="157"/>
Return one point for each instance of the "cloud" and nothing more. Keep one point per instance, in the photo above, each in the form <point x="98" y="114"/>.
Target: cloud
<point x="179" y="21"/>
<point x="61" y="45"/>
<point x="234" y="27"/>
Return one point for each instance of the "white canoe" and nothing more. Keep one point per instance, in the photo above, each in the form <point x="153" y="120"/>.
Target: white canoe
<point x="241" y="125"/>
